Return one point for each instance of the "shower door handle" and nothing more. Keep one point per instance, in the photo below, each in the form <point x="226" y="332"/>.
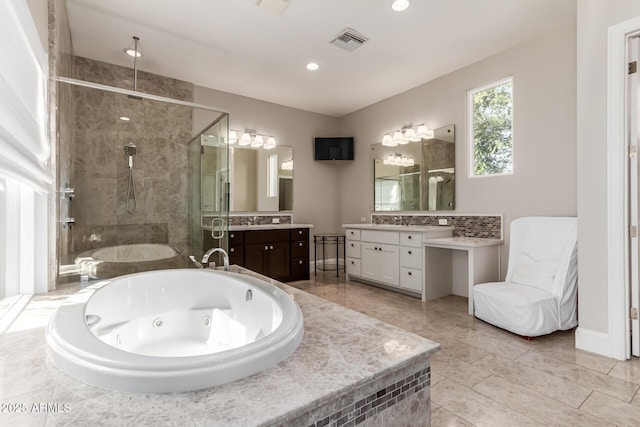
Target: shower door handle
<point x="217" y="228"/>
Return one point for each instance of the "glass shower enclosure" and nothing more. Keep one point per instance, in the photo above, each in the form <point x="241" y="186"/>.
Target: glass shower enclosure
<point x="141" y="179"/>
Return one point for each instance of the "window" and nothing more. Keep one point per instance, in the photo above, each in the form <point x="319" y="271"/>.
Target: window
<point x="491" y="128"/>
<point x="25" y="175"/>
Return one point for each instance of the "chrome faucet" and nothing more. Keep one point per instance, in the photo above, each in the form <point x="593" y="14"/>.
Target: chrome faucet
<point x="225" y="258"/>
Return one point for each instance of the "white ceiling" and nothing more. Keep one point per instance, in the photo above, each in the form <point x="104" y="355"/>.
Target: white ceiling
<point x="238" y="47"/>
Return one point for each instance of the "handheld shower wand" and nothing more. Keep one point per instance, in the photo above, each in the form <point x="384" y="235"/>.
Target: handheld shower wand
<point x="130" y="151"/>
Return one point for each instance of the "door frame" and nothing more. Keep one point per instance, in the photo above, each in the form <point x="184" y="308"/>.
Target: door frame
<point x="618" y="345"/>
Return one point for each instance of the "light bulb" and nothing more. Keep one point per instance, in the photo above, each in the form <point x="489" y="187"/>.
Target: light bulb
<point x="387" y="141"/>
<point x="233" y="137"/>
<point x="257" y="141"/>
<point x="246" y="139"/>
<point x="400" y="5"/>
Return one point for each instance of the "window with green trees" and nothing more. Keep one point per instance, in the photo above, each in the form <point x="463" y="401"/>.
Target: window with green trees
<point x="491" y="128"/>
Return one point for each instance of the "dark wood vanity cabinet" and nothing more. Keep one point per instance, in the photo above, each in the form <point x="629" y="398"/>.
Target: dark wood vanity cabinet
<point x="282" y="254"/>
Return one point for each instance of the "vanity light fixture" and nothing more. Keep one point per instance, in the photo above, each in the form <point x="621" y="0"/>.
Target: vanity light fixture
<point x="124" y="118"/>
<point x="400" y="5"/>
<point x="406" y="135"/>
<point x="251" y="138"/>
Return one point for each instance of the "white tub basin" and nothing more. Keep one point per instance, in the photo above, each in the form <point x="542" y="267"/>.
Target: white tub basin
<point x="173" y="330"/>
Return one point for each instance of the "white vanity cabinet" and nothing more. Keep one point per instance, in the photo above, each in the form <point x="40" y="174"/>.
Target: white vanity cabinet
<point x="389" y="256"/>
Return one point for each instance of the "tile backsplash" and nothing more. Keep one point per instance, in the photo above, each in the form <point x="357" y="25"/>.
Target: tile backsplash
<point x="485" y="226"/>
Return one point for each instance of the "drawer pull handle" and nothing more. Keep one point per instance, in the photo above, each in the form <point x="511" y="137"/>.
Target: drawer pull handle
<point x="271" y="247"/>
<point x="353" y="263"/>
<point x="409" y="273"/>
<point x="300" y="244"/>
<point x="232" y="236"/>
<point x="299" y="231"/>
<point x="352" y="245"/>
<point x="266" y="248"/>
<point x="409" y="237"/>
<point x="300" y="262"/>
<point x="409" y="252"/>
<point x="232" y="250"/>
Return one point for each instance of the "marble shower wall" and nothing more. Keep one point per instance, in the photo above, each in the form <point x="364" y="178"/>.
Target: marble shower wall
<point x="161" y="132"/>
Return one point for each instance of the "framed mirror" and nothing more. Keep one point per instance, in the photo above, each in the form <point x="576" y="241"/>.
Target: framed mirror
<point x="416" y="176"/>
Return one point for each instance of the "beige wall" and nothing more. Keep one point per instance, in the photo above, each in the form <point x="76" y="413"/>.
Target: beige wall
<point x="544" y="178"/>
<point x="316" y="184"/>
<point x="594" y="17"/>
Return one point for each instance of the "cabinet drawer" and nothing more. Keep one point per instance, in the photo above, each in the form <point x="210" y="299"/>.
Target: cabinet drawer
<point x="236" y="238"/>
<point x="375" y="236"/>
<point x="236" y="255"/>
<point x="411" y="257"/>
<point x="352" y="249"/>
<point x="300" y="248"/>
<point x="300" y="234"/>
<point x="354" y="267"/>
<point x="411" y="239"/>
<point x="411" y="279"/>
<point x="353" y="234"/>
<point x="299" y="266"/>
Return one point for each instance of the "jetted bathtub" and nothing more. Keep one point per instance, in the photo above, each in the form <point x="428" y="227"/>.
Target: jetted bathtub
<point x="173" y="330"/>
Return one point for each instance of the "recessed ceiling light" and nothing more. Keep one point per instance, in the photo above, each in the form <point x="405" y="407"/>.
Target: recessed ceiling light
<point x="399" y="5"/>
<point x="132" y="52"/>
<point x="312" y="66"/>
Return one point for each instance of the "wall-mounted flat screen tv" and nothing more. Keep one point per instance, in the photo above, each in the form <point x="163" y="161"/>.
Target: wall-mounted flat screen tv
<point x="334" y="148"/>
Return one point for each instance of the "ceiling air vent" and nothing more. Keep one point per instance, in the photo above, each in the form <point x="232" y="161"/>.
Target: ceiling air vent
<point x="349" y="40"/>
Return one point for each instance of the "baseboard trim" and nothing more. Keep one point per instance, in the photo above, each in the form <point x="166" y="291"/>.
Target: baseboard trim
<point x="593" y="341"/>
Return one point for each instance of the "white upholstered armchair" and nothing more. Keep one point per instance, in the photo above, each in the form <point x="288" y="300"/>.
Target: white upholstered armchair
<point x="539" y="294"/>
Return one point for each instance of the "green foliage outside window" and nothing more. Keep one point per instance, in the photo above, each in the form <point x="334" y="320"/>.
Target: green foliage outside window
<point x="493" y="130"/>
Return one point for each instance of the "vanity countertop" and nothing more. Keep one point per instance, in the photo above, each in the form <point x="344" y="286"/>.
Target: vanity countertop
<point x="262" y="227"/>
<point x="392" y="227"/>
<point x="462" y="242"/>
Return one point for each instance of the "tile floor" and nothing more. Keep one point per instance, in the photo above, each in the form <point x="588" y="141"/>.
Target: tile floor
<point x="484" y="376"/>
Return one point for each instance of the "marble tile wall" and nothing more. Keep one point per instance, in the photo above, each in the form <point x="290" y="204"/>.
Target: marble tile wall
<point x="161" y="133"/>
<point x="485" y="226"/>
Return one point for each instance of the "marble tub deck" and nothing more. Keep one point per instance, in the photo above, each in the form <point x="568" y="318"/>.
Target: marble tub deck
<point x="343" y="354"/>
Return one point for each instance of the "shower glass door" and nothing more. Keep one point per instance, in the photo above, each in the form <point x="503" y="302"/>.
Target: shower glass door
<point x="209" y="154"/>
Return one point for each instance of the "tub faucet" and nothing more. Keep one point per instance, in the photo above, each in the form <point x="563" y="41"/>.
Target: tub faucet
<point x="225" y="258"/>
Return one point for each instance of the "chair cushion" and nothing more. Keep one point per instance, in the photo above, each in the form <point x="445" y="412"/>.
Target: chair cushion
<point x="524" y="310"/>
